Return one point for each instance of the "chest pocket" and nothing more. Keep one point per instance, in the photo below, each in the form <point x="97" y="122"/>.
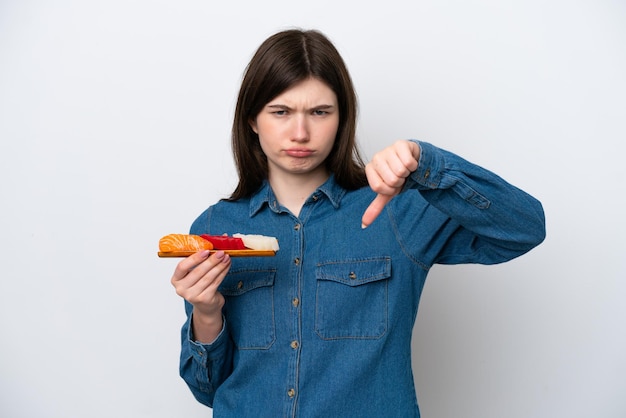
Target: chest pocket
<point x="249" y="308"/>
<point x="351" y="298"/>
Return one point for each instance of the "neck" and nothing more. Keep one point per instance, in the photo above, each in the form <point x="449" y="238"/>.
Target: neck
<point x="292" y="191"/>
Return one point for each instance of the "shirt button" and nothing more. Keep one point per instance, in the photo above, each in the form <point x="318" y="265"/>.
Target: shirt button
<point x="315" y="197"/>
<point x="291" y="393"/>
<point x="296" y="227"/>
<point x="240" y="285"/>
<point x="294" y="344"/>
<point x="352" y="275"/>
<point x="296" y="261"/>
<point x="295" y="302"/>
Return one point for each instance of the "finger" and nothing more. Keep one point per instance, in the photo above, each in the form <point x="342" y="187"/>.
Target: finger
<point x="400" y="163"/>
<point x="208" y="269"/>
<point x="374" y="209"/>
<point x="388" y="171"/>
<point x="211" y="289"/>
<point x="383" y="169"/>
<point x="376" y="182"/>
<point x="191" y="270"/>
<point x="188" y="264"/>
<point x="204" y="280"/>
<point x="212" y="279"/>
<point x="407" y="153"/>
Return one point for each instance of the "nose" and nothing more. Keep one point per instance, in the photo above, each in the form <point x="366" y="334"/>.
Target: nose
<point x="300" y="129"/>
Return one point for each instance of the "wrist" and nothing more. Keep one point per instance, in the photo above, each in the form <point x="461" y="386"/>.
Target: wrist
<point x="207" y="318"/>
<point x="206" y="326"/>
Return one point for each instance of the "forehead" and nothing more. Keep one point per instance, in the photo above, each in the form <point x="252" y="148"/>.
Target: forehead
<point x="310" y="91"/>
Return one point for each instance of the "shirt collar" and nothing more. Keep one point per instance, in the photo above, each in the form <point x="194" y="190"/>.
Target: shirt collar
<point x="265" y="195"/>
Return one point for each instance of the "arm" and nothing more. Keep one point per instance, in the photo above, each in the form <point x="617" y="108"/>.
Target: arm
<point x="204" y="367"/>
<point x="205" y="347"/>
<point x="490" y="220"/>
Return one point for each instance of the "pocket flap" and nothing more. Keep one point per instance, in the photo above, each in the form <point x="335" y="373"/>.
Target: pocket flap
<point x="241" y="281"/>
<point x="355" y="272"/>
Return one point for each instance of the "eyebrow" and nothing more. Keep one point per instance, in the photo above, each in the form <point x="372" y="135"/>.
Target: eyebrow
<point x="285" y="107"/>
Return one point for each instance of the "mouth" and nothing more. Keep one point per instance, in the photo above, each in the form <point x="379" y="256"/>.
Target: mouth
<point x="299" y="152"/>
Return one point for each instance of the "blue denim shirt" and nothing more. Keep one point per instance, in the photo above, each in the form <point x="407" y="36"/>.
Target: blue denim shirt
<point x="323" y="329"/>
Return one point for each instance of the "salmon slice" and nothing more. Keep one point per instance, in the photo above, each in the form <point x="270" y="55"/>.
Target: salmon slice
<point x="183" y="242"/>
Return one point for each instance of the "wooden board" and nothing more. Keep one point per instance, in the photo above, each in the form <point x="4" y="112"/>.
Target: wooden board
<point x="232" y="253"/>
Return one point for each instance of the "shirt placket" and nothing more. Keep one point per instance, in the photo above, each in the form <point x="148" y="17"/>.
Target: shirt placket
<point x="295" y="319"/>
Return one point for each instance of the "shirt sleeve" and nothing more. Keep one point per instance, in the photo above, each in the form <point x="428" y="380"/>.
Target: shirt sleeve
<point x="487" y="221"/>
<point x="204" y="366"/>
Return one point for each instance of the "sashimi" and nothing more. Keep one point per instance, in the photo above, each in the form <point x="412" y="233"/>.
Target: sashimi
<point x="224" y="242"/>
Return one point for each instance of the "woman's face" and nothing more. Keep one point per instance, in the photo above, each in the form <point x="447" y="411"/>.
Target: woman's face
<point x="297" y="129"/>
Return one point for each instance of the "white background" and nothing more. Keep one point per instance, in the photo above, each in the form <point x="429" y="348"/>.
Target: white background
<point x="114" y="128"/>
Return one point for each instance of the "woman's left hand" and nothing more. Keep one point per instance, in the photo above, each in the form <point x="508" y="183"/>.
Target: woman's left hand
<point x="386" y="174"/>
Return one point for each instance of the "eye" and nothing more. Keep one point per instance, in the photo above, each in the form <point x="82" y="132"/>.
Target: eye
<point x="319" y="112"/>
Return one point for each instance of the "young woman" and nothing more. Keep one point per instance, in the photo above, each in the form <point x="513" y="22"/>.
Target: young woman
<point x="323" y="329"/>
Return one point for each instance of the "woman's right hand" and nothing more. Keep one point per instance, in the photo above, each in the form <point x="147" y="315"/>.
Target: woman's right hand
<point x="196" y="279"/>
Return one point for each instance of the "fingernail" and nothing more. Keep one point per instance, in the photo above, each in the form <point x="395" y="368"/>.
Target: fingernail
<point x="220" y="254"/>
<point x="226" y="258"/>
<point x="363" y="226"/>
<point x="204" y="253"/>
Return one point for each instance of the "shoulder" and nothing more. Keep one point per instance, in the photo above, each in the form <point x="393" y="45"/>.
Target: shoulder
<point x="218" y="215"/>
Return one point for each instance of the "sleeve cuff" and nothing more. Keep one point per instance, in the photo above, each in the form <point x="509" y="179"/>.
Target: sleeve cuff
<point x="203" y="352"/>
<point x="429" y="169"/>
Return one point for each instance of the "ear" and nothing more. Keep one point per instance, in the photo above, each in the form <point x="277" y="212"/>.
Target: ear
<point x="253" y="125"/>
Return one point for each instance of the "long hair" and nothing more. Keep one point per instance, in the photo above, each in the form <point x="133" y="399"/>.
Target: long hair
<point x="283" y="60"/>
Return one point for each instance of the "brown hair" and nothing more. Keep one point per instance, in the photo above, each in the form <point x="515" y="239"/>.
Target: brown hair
<point x="281" y="61"/>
